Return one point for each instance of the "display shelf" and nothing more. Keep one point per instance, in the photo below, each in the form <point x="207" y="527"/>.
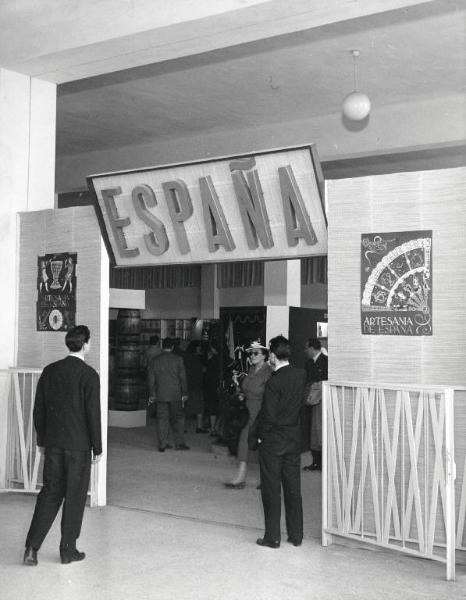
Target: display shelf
<point x="173" y="328"/>
<point x="150" y="327"/>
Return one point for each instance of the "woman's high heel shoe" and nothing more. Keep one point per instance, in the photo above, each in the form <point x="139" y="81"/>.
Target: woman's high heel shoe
<point x="235" y="486"/>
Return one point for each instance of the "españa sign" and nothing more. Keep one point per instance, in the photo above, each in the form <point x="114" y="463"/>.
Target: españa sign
<point x="261" y="206"/>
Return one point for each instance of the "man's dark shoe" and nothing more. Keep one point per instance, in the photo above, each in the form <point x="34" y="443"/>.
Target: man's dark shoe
<point x="69" y="556"/>
<point x="201" y="430"/>
<point x="182" y="447"/>
<point x="166" y="447"/>
<point x="267" y="543"/>
<point x="294" y="542"/>
<point x="313" y="467"/>
<point x="30" y="557"/>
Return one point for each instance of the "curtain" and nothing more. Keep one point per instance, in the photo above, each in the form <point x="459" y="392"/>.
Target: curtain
<point x="240" y="274"/>
<point x="147" y="278"/>
<point x="313" y="270"/>
<point x="229" y="275"/>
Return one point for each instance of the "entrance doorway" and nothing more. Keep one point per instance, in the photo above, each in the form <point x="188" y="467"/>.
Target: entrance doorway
<point x="190" y="484"/>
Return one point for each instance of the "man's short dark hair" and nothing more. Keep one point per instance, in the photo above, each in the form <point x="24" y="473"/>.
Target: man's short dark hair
<point x="77" y="337"/>
<point x="314" y="343"/>
<point x="154" y="340"/>
<point x="167" y="344"/>
<point x="280" y="346"/>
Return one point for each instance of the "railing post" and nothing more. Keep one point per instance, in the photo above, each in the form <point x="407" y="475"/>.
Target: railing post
<point x="5" y="390"/>
<point x="450" y="476"/>
<point x="326" y="537"/>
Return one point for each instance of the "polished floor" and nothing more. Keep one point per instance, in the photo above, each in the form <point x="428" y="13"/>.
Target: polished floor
<point x="171" y="531"/>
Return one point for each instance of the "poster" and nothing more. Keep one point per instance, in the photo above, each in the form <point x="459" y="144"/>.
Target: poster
<point x="396" y="283"/>
<point x="56" y="288"/>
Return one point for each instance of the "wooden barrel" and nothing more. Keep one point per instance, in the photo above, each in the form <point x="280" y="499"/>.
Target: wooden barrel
<point x="128" y="360"/>
<point x="127" y="394"/>
<point x="128" y="325"/>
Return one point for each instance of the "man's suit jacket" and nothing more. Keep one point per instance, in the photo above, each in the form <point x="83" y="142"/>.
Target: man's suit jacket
<point x="167" y="377"/>
<point x="318" y="370"/>
<point x="67" y="406"/>
<point x="278" y="422"/>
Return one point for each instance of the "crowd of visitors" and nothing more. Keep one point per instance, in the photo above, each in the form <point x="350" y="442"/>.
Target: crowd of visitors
<point x="259" y="410"/>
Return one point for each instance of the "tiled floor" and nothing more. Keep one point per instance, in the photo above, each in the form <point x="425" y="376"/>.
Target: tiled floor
<point x="171" y="531"/>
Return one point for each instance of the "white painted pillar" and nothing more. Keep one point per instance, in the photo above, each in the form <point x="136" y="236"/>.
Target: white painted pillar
<point x="27" y="179"/>
<point x="210" y="303"/>
<point x="282" y="289"/>
<point x="282" y="282"/>
<point x="100" y="476"/>
<point x="27" y="182"/>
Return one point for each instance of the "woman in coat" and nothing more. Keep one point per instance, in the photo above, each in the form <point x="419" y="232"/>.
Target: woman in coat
<point x="252" y="387"/>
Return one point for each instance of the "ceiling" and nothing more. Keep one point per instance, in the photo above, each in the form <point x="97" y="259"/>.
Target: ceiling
<point x="408" y="56"/>
<point x="149" y="82"/>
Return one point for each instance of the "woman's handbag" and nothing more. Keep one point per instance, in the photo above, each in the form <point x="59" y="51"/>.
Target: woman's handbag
<point x="313" y="394"/>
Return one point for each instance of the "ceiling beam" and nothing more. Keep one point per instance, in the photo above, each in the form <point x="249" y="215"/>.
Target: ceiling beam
<point x="105" y="46"/>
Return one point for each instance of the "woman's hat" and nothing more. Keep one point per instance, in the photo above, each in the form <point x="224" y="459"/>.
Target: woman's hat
<point x="256" y="345"/>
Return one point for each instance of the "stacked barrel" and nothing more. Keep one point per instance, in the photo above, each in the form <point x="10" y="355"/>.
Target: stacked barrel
<point x="129" y="386"/>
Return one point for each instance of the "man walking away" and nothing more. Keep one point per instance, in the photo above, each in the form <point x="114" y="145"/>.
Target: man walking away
<point x="67" y="422"/>
<point x="169" y="389"/>
<point x="277" y="434"/>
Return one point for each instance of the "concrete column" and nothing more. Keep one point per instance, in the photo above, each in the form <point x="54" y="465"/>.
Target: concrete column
<point x="27" y="179"/>
<point x="210" y="308"/>
<point x="282" y="289"/>
<point x="27" y="182"/>
<point x="282" y="283"/>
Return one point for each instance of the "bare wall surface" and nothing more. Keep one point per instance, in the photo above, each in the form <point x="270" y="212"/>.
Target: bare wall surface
<point x="425" y="200"/>
<point x="45" y="232"/>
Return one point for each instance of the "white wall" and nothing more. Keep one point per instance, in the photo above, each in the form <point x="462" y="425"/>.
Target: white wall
<point x="185" y="303"/>
<point x="177" y="303"/>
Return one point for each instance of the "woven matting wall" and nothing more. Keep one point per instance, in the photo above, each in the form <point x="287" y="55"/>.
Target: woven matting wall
<point x="53" y="231"/>
<point x="427" y="200"/>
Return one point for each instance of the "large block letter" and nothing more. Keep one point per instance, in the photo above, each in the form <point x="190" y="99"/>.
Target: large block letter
<point x="156" y="241"/>
<point x="180" y="208"/>
<point x="217" y="230"/>
<point x="297" y="221"/>
<point x="117" y="224"/>
<point x="251" y="203"/>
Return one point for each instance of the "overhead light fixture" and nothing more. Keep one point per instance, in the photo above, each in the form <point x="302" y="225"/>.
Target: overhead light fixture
<point x="356" y="105"/>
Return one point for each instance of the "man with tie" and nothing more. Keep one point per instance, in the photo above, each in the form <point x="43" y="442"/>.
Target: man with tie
<point x="277" y="435"/>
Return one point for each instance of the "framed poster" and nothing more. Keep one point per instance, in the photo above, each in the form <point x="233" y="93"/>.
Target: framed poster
<point x="56" y="291"/>
<point x="396" y="283"/>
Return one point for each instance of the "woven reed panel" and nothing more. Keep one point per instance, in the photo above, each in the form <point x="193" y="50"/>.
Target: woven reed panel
<point x="424" y="200"/>
<point x="46" y="232"/>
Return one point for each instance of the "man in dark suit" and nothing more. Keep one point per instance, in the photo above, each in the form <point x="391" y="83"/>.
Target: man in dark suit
<point x="277" y="433"/>
<point x="169" y="389"/>
<point x="316" y="370"/>
<point x="67" y="423"/>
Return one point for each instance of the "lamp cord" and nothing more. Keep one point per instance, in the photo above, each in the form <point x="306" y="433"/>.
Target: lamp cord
<point x="354" y="73"/>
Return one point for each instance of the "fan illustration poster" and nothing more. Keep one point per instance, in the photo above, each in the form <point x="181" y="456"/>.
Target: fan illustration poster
<point x="56" y="291"/>
<point x="396" y="283"/>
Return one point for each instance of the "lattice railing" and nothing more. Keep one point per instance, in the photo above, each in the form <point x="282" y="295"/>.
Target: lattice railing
<point x="23" y="461"/>
<point x="389" y="471"/>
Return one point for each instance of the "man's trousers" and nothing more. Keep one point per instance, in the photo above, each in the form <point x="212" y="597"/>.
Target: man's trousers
<point x="170" y="414"/>
<point x="65" y="479"/>
<point x="277" y="471"/>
